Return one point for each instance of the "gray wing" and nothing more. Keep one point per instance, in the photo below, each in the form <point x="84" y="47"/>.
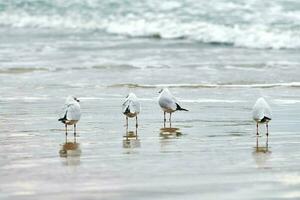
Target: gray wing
<point x="73" y="112"/>
<point x="131" y="106"/>
<point x="63" y="113"/>
<point x="135" y="106"/>
<point x="261" y="109"/>
<point x="257" y="113"/>
<point x="268" y="112"/>
<point x="167" y="102"/>
<point x="125" y="106"/>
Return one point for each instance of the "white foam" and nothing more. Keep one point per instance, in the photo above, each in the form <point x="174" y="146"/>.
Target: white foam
<point x="286" y="101"/>
<point x="258" y="26"/>
<point x="25" y="98"/>
<point x="90" y="98"/>
<point x="212" y="101"/>
<point x="251" y="36"/>
<point x="208" y="85"/>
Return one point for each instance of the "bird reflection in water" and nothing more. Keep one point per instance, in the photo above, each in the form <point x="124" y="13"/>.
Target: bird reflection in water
<point x="131" y="140"/>
<point x="261" y="155"/>
<point x="169" y="132"/>
<point x="71" y="151"/>
<point x="267" y="142"/>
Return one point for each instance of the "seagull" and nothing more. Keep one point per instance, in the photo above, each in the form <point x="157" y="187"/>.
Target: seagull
<point x="168" y="103"/>
<point x="71" y="114"/>
<point x="131" y="108"/>
<point x="261" y="114"/>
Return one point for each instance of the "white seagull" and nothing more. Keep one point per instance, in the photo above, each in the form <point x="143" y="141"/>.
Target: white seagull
<point x="71" y="114"/>
<point x="168" y="103"/>
<point x="261" y="113"/>
<point x="131" y="108"/>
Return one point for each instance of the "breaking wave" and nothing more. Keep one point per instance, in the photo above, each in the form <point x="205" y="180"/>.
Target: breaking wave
<point x="251" y="24"/>
<point x="204" y="85"/>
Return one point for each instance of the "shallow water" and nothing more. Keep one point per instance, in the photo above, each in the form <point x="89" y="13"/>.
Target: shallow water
<point x="209" y="153"/>
<point x="213" y="156"/>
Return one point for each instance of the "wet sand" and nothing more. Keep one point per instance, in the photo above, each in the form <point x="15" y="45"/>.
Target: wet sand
<point x="209" y="153"/>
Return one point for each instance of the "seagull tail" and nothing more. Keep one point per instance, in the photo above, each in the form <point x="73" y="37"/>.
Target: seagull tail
<point x="265" y="119"/>
<point x="61" y="119"/>
<point x="179" y="108"/>
<point x="127" y="110"/>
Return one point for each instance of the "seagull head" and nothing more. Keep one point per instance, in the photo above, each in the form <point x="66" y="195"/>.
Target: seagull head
<point x="75" y="98"/>
<point x="71" y="99"/>
<point x="131" y="95"/>
<point x="164" y="89"/>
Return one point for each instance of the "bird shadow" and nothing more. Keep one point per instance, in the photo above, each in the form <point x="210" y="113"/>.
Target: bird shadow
<point x="71" y="151"/>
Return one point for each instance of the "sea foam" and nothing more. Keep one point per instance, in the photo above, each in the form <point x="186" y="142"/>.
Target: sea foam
<point x="243" y="24"/>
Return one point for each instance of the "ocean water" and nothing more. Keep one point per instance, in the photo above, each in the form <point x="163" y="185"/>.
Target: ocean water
<point x="216" y="57"/>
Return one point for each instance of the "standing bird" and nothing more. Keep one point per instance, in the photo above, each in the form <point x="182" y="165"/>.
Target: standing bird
<point x="168" y="103"/>
<point x="261" y="114"/>
<point x="71" y="114"/>
<point x="131" y="108"/>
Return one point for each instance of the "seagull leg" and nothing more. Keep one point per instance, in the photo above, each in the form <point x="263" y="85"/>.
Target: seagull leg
<point x="170" y="120"/>
<point x="165" y="119"/>
<point x="136" y="122"/>
<point x="267" y="143"/>
<point x="66" y="132"/>
<point x="257" y="129"/>
<point x="256" y="142"/>
<point x="136" y="134"/>
<point x="126" y="128"/>
<point x="74" y="130"/>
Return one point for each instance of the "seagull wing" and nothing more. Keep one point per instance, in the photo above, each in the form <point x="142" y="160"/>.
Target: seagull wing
<point x="261" y="109"/>
<point x="131" y="106"/>
<point x="135" y="106"/>
<point x="73" y="112"/>
<point x="63" y="113"/>
<point x="167" y="102"/>
<point x="257" y="113"/>
<point x="125" y="106"/>
<point x="267" y="112"/>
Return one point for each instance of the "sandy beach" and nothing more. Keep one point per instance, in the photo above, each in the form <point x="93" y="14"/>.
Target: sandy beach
<point x="216" y="64"/>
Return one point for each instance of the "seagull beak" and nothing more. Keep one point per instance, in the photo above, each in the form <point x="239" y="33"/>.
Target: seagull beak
<point x="76" y="100"/>
<point x="160" y="91"/>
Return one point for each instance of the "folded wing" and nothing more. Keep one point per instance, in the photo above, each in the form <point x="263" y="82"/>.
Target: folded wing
<point x="73" y="112"/>
<point x="130" y="106"/>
